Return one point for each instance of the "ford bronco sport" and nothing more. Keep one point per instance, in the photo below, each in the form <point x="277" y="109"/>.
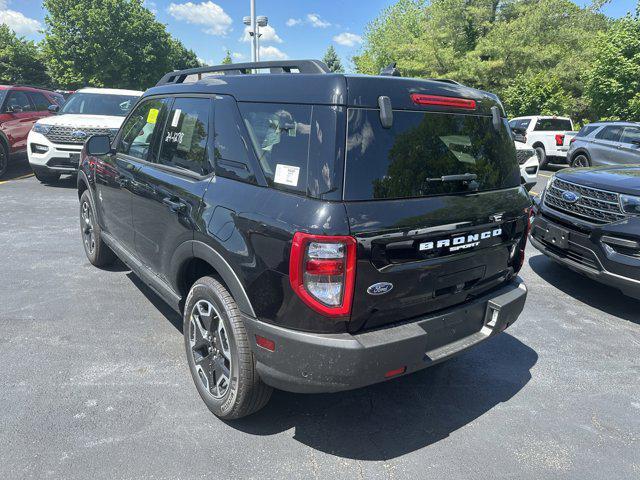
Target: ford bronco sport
<point x="320" y="232"/>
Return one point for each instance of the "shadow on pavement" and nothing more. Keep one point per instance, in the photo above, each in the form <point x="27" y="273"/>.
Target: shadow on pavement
<point x="18" y="167"/>
<point x="590" y="292"/>
<point x="394" y="418"/>
<point x="169" y="313"/>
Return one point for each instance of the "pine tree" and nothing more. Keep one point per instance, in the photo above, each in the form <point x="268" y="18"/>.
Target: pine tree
<point x="227" y="60"/>
<point x="332" y="60"/>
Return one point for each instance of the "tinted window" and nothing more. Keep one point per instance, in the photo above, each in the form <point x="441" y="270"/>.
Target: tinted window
<point x="184" y="141"/>
<point x="231" y="151"/>
<point x="280" y="136"/>
<point x="18" y="100"/>
<point x="553" y="124"/>
<point x="409" y="159"/>
<point x="99" y="104"/>
<point x="40" y="101"/>
<point x="138" y="130"/>
<point x="586" y="130"/>
<point x="630" y="135"/>
<point x="611" y="133"/>
<point x="520" y="124"/>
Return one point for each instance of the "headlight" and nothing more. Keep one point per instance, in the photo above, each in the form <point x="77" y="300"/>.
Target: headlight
<point x="630" y="204"/>
<point x="42" y="128"/>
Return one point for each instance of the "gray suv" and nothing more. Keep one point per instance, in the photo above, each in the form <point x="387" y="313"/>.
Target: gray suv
<point x="606" y="143"/>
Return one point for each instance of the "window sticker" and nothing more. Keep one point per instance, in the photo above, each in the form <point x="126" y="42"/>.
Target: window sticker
<point x="152" y="117"/>
<point x="287" y="175"/>
<point x="176" y="118"/>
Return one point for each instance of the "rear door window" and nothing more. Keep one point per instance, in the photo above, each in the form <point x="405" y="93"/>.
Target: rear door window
<point x="40" y="102"/>
<point x="184" y="141"/>
<point x="410" y="159"/>
<point x="553" y="124"/>
<point x="611" y="133"/>
<point x="280" y="135"/>
<point x="232" y="154"/>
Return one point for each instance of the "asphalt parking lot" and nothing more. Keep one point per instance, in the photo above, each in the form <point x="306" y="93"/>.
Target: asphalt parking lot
<point x="94" y="381"/>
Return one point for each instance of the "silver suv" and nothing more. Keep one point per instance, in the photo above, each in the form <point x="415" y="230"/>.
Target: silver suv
<point x="606" y="143"/>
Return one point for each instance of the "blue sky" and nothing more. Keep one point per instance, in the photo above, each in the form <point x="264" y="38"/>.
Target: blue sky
<point x="297" y="29"/>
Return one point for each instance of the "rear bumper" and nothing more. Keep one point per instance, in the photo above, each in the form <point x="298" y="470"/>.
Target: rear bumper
<point x="312" y="363"/>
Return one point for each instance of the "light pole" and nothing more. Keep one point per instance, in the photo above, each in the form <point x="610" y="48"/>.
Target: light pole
<point x="254" y="32"/>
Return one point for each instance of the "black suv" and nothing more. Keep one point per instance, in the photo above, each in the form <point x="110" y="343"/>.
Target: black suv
<point x="320" y="232"/>
<point x="589" y="220"/>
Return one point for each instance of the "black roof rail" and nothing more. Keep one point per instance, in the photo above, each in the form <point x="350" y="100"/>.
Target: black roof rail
<point x="275" y="67"/>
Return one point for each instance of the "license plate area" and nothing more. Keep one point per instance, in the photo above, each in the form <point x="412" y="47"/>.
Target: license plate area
<point x="557" y="236"/>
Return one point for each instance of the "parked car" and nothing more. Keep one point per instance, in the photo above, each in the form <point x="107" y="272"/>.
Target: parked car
<point x="55" y="142"/>
<point x="550" y="136"/>
<point x="606" y="143"/>
<point x="528" y="161"/>
<point x="589" y="220"/>
<point x="20" y="108"/>
<point x="318" y="232"/>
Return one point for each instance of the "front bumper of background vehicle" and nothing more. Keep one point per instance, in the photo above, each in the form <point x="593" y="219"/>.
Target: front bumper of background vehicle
<point x="313" y="363"/>
<point x="529" y="172"/>
<point x="594" y="253"/>
<point x="57" y="158"/>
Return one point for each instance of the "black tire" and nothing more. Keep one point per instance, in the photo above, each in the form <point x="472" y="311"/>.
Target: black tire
<point x="580" y="160"/>
<point x="217" y="345"/>
<point x="542" y="156"/>
<point x="46" y="177"/>
<point x="98" y="253"/>
<point x="4" y="158"/>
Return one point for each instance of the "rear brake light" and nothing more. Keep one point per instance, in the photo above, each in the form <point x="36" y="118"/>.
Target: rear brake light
<point x="559" y="140"/>
<point x="393" y="373"/>
<point x="464" y="103"/>
<point x="322" y="272"/>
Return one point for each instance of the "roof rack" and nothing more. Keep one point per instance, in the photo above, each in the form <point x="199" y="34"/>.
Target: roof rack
<point x="275" y="67"/>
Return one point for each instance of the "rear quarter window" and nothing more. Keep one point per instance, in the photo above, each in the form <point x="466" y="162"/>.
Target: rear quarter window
<point x="586" y="130"/>
<point x="280" y="134"/>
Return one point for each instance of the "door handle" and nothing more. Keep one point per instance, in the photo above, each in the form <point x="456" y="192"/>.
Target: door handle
<point x="175" y="205"/>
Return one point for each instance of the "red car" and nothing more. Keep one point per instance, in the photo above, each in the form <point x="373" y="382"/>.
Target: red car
<point x="20" y="108"/>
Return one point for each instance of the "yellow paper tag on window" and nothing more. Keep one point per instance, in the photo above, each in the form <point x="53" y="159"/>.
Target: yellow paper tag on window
<point x="153" y="115"/>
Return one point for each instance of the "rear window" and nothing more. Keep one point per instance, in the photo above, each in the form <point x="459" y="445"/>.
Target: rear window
<point x="586" y="130"/>
<point x="409" y="159"/>
<point x="553" y="124"/>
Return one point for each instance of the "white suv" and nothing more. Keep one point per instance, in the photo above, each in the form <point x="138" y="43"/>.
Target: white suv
<point x="54" y="143"/>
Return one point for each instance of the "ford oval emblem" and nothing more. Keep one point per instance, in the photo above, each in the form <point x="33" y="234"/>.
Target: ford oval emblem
<point x="79" y="134"/>
<point x="570" y="197"/>
<point x="380" y="288"/>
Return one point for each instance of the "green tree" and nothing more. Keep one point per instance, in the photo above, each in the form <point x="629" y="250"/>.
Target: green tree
<point x="537" y="94"/>
<point x="495" y="45"/>
<point x="227" y="60"/>
<point x="114" y="43"/>
<point x="613" y="84"/>
<point x="20" y="60"/>
<point x="332" y="60"/>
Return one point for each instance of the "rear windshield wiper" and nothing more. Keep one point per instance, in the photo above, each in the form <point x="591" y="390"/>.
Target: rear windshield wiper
<point x="463" y="177"/>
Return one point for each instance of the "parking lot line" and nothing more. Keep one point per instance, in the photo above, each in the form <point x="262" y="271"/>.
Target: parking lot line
<point x="543" y="175"/>
<point x="17" y="178"/>
<point x="534" y="193"/>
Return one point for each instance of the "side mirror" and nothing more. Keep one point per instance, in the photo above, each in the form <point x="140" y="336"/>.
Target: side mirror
<point x="54" y="108"/>
<point x="98" y="145"/>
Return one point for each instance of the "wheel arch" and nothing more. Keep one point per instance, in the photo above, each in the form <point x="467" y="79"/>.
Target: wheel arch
<point x="537" y="144"/>
<point x="195" y="259"/>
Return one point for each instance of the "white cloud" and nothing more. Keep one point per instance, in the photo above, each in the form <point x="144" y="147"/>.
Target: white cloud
<point x="293" y="22"/>
<point x="272" y="53"/>
<point x="151" y="5"/>
<point x="347" y="39"/>
<point x="209" y="14"/>
<point x="316" y="21"/>
<point x="267" y="35"/>
<point x="18" y="22"/>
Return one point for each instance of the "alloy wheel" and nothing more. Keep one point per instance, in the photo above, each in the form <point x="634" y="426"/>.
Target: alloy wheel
<point x="210" y="349"/>
<point x="88" y="232"/>
<point x="581" y="161"/>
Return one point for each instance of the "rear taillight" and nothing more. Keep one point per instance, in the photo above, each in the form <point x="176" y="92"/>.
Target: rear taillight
<point x="438" y="100"/>
<point x="322" y="272"/>
<point x="559" y="140"/>
<point x="572" y="140"/>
